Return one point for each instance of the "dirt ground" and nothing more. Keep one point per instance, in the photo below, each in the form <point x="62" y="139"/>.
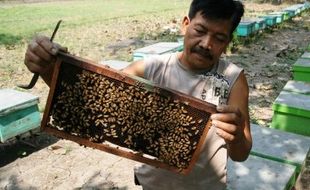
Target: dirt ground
<point x="45" y="162"/>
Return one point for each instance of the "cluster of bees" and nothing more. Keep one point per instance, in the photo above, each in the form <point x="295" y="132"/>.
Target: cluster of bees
<point x="101" y="109"/>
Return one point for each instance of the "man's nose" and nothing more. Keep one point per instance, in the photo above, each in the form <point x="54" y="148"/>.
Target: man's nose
<point x="206" y="42"/>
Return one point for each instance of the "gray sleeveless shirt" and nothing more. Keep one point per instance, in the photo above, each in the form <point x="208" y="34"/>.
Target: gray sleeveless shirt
<point x="213" y="86"/>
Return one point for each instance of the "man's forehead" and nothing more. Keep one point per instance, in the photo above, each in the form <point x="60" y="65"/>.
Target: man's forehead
<point x="220" y="24"/>
<point x="199" y="15"/>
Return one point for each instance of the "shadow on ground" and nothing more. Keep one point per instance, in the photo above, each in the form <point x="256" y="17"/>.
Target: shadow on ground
<point x="19" y="148"/>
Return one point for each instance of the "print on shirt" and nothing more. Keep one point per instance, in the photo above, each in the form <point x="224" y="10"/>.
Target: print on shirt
<point x="216" y="89"/>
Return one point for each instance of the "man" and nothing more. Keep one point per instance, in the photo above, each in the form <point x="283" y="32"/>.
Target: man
<point x="197" y="71"/>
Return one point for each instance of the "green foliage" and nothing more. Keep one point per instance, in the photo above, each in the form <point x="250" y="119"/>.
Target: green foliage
<point x="235" y="42"/>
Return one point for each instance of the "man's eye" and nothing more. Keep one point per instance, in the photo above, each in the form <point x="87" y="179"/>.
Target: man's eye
<point x="199" y="31"/>
<point x="221" y="39"/>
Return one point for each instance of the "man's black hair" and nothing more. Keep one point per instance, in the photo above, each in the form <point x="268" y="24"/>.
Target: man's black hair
<point x="218" y="9"/>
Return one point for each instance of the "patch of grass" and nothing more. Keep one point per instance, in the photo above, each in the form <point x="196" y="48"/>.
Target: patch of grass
<point x="8" y="39"/>
<point x="24" y="20"/>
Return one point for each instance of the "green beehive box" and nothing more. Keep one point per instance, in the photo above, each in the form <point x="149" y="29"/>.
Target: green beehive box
<point x="19" y="113"/>
<point x="291" y="112"/>
<point x="301" y="70"/>
<point x="299" y="87"/>
<point x="245" y="28"/>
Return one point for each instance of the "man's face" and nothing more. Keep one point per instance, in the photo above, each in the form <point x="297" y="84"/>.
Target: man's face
<point x="204" y="41"/>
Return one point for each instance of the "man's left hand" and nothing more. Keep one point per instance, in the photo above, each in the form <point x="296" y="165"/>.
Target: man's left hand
<point x="229" y="124"/>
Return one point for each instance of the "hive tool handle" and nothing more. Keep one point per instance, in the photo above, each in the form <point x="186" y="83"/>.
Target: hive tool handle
<point x="35" y="76"/>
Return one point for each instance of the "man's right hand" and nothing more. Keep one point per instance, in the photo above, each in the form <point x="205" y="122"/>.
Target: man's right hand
<point x="40" y="57"/>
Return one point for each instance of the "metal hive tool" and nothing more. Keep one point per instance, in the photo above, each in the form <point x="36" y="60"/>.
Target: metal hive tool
<point x="102" y="108"/>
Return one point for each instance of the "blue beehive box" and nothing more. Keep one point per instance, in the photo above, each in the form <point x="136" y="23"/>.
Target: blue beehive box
<point x="270" y="19"/>
<point x="279" y="16"/>
<point x="290" y="12"/>
<point x="245" y="28"/>
<point x="157" y="49"/>
<point x="115" y="64"/>
<point x="260" y="24"/>
<point x="293" y="9"/>
<point x="19" y="113"/>
<point x="307" y="5"/>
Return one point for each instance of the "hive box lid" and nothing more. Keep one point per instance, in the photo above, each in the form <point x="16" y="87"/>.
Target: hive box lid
<point x="160" y="48"/>
<point x="13" y="100"/>
<point x="259" y="173"/>
<point x="292" y="103"/>
<point x="279" y="145"/>
<point x="115" y="64"/>
<point x="306" y="55"/>
<point x="299" y="87"/>
<point x="302" y="65"/>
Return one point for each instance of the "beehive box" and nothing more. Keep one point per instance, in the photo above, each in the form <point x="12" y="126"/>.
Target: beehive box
<point x="286" y="15"/>
<point x="279" y="145"/>
<point x="260" y="24"/>
<point x="19" y="113"/>
<point x="271" y="20"/>
<point x="291" y="13"/>
<point x="306" y="55"/>
<point x="301" y="70"/>
<point x="99" y="107"/>
<point x="157" y="49"/>
<point x="293" y="10"/>
<point x="291" y="112"/>
<point x="115" y="64"/>
<point x="279" y="16"/>
<point x="245" y="28"/>
<point x="257" y="173"/>
<point x="298" y="87"/>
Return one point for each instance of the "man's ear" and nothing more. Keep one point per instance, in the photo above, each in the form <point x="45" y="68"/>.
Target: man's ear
<point x="185" y="23"/>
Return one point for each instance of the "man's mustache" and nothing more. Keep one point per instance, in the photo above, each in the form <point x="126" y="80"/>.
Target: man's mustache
<point x="203" y="52"/>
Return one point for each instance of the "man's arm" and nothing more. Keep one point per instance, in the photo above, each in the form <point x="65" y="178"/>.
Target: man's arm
<point x="232" y="121"/>
<point x="135" y="68"/>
